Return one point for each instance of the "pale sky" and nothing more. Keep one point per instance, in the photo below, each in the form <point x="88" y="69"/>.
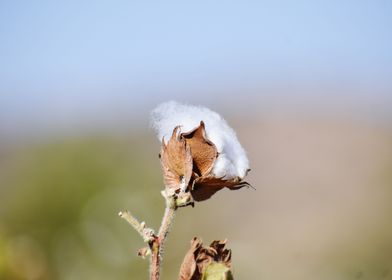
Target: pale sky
<point x="78" y="56"/>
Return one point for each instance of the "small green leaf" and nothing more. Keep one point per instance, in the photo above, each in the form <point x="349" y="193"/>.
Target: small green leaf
<point x="217" y="271"/>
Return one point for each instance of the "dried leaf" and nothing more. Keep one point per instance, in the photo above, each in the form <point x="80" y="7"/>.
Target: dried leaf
<point x="187" y="162"/>
<point x="200" y="262"/>
<point x="204" y="152"/>
<point x="176" y="161"/>
<point x="204" y="187"/>
<point x="188" y="267"/>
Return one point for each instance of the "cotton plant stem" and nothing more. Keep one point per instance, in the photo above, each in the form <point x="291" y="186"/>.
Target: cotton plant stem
<point x="158" y="246"/>
<point x="146" y="233"/>
<point x="155" y="242"/>
<point x="138" y="226"/>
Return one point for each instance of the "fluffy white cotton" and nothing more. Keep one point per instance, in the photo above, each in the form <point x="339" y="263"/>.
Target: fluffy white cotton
<point x="232" y="160"/>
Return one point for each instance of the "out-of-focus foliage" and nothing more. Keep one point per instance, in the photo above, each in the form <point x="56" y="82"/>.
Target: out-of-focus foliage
<point x="59" y="207"/>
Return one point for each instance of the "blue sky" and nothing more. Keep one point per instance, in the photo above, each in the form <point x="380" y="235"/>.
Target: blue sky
<point x="62" y="51"/>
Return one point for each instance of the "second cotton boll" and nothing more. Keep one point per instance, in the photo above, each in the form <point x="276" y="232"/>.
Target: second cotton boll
<point x="200" y="152"/>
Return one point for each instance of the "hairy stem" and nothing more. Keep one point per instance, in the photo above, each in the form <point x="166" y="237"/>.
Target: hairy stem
<point x="126" y="215"/>
<point x="158" y="246"/>
<point x="140" y="227"/>
<point x="155" y="242"/>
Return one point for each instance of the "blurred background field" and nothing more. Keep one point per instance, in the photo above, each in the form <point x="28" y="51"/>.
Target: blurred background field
<point x="306" y="86"/>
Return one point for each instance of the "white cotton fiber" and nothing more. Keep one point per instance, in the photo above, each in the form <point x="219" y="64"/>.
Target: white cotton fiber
<point x="232" y="160"/>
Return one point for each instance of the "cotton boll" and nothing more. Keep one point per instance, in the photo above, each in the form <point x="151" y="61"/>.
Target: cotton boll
<point x="232" y="161"/>
<point x="171" y="114"/>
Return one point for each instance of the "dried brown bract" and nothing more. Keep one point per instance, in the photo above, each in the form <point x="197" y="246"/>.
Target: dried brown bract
<point x="176" y="160"/>
<point x="187" y="161"/>
<point x="200" y="261"/>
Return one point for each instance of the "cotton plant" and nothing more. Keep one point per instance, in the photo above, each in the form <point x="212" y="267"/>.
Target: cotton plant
<point x="200" y="152"/>
<point x="200" y="155"/>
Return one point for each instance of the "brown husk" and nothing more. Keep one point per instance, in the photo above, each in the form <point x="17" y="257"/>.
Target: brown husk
<point x="176" y="161"/>
<point x="198" y="258"/>
<point x="188" y="159"/>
